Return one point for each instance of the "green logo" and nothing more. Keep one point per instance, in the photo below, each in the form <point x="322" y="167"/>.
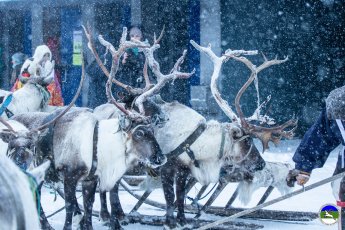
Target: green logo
<point x="329" y="214"/>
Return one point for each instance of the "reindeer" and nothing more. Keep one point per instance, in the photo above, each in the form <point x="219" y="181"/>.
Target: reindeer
<point x="89" y="150"/>
<point x="19" y="142"/>
<point x="30" y="97"/>
<point x="18" y="208"/>
<point x="183" y="125"/>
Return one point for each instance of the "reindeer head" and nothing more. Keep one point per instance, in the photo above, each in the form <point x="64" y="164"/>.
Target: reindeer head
<point x="20" y="145"/>
<point x="141" y="142"/>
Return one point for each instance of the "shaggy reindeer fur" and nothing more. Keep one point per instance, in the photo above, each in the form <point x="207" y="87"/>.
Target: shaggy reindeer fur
<point x="274" y="174"/>
<point x="181" y="123"/>
<point x="16" y="191"/>
<point x="73" y="154"/>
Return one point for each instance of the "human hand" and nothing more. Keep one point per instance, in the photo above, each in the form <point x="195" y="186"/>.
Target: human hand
<point x="297" y="175"/>
<point x="302" y="178"/>
<point x="125" y="56"/>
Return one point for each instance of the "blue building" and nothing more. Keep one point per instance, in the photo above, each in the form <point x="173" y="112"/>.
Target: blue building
<point x="311" y="33"/>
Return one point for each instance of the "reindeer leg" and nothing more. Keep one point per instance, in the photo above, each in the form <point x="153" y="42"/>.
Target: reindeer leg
<point x="43" y="219"/>
<point x="180" y="195"/>
<point x="89" y="190"/>
<point x="116" y="209"/>
<point x="167" y="173"/>
<point x="104" y="214"/>
<point x="70" y="184"/>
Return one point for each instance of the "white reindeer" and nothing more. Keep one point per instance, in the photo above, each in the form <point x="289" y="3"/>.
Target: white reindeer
<point x="18" y="209"/>
<point x="33" y="95"/>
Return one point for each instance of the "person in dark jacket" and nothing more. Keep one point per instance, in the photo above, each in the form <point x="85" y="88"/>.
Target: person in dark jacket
<point x="18" y="60"/>
<point x="133" y="60"/>
<point x="324" y="136"/>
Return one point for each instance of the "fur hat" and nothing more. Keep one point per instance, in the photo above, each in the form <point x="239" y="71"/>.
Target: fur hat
<point x="335" y="104"/>
<point x="19" y="57"/>
<point x="135" y="31"/>
<point x="41" y="51"/>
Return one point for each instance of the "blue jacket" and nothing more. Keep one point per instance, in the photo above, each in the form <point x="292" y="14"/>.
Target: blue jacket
<point x="323" y="137"/>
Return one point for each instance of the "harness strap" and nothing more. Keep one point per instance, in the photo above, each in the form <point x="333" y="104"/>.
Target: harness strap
<point x="94" y="154"/>
<point x="44" y="93"/>
<point x="342" y="131"/>
<point x="45" y="149"/>
<point x="185" y="146"/>
<point x="5" y="105"/>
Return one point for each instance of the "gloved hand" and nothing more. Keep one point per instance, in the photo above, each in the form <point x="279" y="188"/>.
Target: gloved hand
<point x="297" y="175"/>
<point x="302" y="178"/>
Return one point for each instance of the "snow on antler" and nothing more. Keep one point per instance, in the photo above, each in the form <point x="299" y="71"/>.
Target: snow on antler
<point x="265" y="134"/>
<point x="161" y="78"/>
<point x="217" y="63"/>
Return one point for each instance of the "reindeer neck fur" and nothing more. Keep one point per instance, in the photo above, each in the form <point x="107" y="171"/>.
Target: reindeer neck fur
<point x="26" y="99"/>
<point x="113" y="161"/>
<point x="73" y="139"/>
<point x="206" y="150"/>
<point x="182" y="123"/>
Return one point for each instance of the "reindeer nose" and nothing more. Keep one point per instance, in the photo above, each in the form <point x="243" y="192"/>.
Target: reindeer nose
<point x="158" y="159"/>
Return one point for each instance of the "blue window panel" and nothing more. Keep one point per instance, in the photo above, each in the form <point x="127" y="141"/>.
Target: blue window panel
<point x="194" y="34"/>
<point x="125" y="16"/>
<point x="71" y="20"/>
<point x="27" y="35"/>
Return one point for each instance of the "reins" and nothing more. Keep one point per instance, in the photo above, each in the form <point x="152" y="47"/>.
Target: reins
<point x="33" y="185"/>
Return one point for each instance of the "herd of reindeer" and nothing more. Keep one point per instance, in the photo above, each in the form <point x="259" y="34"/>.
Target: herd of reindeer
<point x="96" y="147"/>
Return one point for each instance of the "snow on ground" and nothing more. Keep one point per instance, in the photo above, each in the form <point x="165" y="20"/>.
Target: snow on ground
<point x="310" y="201"/>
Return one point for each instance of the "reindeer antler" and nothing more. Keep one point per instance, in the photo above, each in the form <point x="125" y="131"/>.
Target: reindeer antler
<point x="69" y="106"/>
<point x="161" y="78"/>
<point x="265" y="134"/>
<point x="9" y="127"/>
<point x="217" y="63"/>
<point x="116" y="54"/>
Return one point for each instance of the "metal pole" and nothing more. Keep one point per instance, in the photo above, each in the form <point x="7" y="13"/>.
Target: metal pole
<point x="312" y="186"/>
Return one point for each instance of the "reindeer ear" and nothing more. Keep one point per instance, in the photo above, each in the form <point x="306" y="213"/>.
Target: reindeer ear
<point x="7" y="136"/>
<point x="124" y="122"/>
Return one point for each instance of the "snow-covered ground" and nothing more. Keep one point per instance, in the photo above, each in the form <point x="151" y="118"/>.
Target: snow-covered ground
<point x="309" y="201"/>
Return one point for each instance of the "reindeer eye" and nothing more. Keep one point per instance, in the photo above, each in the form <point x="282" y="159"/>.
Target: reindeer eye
<point x="139" y="133"/>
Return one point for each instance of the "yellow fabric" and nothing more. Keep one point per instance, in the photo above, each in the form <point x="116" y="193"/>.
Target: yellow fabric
<point x="17" y="85"/>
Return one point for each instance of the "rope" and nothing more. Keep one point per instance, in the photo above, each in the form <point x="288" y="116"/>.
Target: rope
<point x="59" y="210"/>
<point x="221" y="150"/>
<point x="152" y="172"/>
<point x="195" y="201"/>
<point x="44" y="93"/>
<point x="289" y="195"/>
<point x="33" y="186"/>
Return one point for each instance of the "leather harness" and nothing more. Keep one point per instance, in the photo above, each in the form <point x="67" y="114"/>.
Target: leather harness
<point x="185" y="146"/>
